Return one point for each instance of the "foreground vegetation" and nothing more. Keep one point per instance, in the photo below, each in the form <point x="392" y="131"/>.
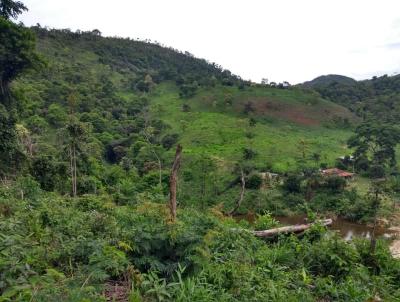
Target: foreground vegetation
<point x="56" y="248"/>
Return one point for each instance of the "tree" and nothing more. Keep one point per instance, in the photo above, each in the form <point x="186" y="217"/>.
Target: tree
<point x="148" y="134"/>
<point x="376" y="143"/>
<point x="169" y="140"/>
<point x="205" y="167"/>
<point x="249" y="153"/>
<point x="292" y="184"/>
<point x="17" y="54"/>
<point x="316" y="157"/>
<point x="173" y="181"/>
<point x="11" y="9"/>
<point x="375" y="195"/>
<point x="46" y="171"/>
<point x="303" y="147"/>
<point x="312" y="182"/>
<point x="242" y="190"/>
<point x="10" y="152"/>
<point x="74" y="136"/>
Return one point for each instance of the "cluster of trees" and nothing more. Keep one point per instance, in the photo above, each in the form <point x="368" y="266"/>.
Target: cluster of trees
<point x="374" y="147"/>
<point x="18" y="54"/>
<point x="377" y="97"/>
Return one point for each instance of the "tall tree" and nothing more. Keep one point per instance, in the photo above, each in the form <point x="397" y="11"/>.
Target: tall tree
<point x="148" y="134"/>
<point x="17" y="49"/>
<point x="173" y="179"/>
<point x="376" y="142"/>
<point x="11" y="9"/>
<point x="11" y="154"/>
<point x="242" y="190"/>
<point x="74" y="136"/>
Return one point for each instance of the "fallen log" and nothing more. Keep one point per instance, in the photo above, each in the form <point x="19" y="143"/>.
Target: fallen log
<point x="298" y="228"/>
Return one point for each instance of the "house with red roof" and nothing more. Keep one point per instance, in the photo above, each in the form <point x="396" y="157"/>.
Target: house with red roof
<point x="337" y="172"/>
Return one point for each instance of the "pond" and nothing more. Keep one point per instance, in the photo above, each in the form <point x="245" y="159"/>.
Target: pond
<point x="347" y="229"/>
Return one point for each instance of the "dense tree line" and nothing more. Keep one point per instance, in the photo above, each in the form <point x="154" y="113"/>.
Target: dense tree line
<point x="378" y="97"/>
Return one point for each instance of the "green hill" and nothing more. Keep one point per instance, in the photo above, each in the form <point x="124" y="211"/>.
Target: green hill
<point x="327" y="80"/>
<point x="114" y="79"/>
<point x="376" y="98"/>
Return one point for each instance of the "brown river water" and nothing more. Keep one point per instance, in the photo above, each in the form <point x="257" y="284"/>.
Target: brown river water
<point x="347" y="229"/>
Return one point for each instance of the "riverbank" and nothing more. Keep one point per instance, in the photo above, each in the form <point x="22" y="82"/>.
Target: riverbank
<point x="346" y="228"/>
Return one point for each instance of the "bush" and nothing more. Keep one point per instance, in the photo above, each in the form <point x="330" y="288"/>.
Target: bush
<point x="108" y="262"/>
<point x="292" y="184"/>
<point x="254" y="181"/>
<point x="376" y="171"/>
<point x="265" y="222"/>
<point x="335" y="184"/>
<point x="169" y="140"/>
<point x="249" y="153"/>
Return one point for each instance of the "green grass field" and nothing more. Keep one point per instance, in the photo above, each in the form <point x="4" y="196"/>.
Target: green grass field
<point x="210" y="129"/>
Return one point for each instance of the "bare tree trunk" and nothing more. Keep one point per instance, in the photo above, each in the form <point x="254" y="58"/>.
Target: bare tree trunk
<point x="172" y="182"/>
<point x="75" y="173"/>
<point x="4" y="93"/>
<point x="290" y="229"/>
<point x="239" y="202"/>
<point x="71" y="168"/>
<point x="373" y="236"/>
<point x="72" y="164"/>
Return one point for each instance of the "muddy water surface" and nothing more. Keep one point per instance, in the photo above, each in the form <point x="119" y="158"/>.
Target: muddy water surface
<point x="347" y="229"/>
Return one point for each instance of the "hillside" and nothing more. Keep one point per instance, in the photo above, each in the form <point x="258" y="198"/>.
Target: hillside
<point x="91" y="209"/>
<point x="135" y="115"/>
<point x="327" y="80"/>
<point x="106" y="77"/>
<point x="374" y="98"/>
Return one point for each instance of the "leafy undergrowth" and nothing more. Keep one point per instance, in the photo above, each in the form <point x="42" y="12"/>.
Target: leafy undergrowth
<point x="88" y="249"/>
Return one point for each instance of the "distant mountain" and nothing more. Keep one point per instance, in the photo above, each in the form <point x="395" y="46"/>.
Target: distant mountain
<point x="378" y="97"/>
<point x="329" y="79"/>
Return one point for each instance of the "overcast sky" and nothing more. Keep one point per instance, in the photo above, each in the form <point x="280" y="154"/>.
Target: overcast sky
<point x="280" y="40"/>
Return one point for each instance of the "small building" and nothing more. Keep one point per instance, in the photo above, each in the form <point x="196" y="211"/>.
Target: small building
<point x="337" y="172"/>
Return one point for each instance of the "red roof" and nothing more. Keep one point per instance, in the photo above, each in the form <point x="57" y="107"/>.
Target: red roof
<point x="337" y="172"/>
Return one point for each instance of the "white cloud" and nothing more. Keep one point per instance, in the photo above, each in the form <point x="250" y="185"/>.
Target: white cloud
<point x="280" y="40"/>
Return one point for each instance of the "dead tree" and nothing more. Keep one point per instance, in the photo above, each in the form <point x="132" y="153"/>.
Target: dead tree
<point x="290" y="229"/>
<point x="172" y="182"/>
<point x="239" y="202"/>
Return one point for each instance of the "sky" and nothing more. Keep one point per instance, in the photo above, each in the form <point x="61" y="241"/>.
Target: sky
<point x="281" y="40"/>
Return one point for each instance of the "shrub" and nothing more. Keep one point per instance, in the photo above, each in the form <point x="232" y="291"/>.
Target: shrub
<point x="254" y="181"/>
<point x="376" y="171"/>
<point x="292" y="184"/>
<point x="265" y="221"/>
<point x="169" y="140"/>
<point x="108" y="262"/>
<point x="249" y="153"/>
<point x="335" y="184"/>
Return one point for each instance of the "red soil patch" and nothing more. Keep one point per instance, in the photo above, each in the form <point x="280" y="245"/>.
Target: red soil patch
<point x="294" y="113"/>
